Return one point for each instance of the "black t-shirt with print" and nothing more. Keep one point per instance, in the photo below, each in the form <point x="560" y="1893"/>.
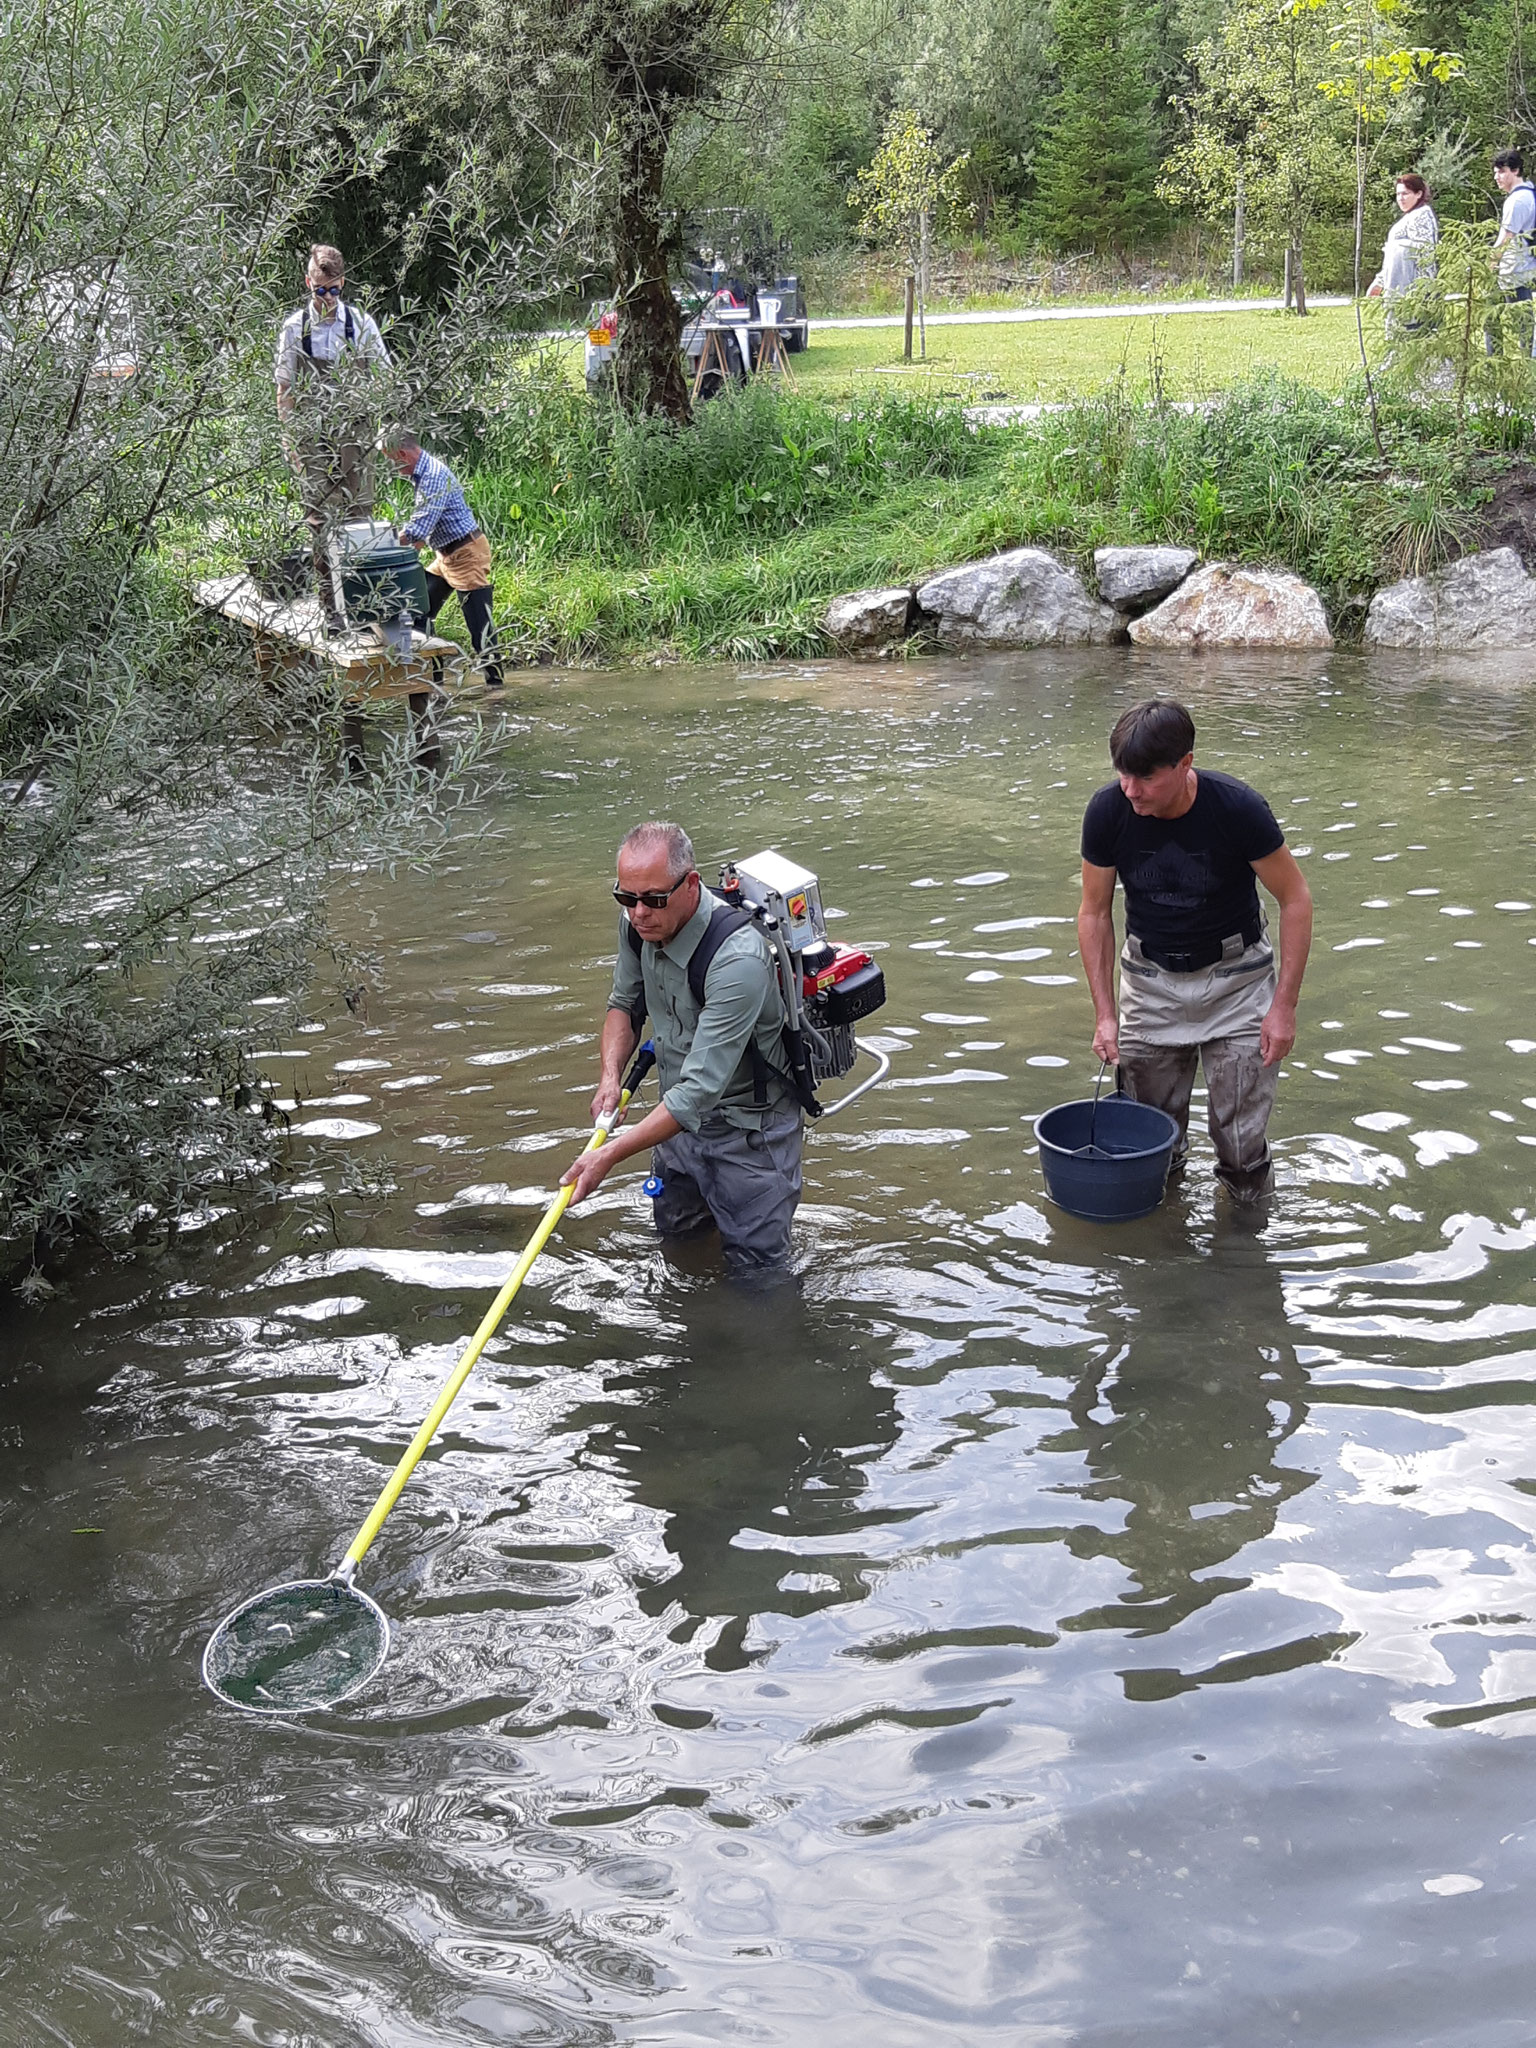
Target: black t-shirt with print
<point x="1188" y="881"/>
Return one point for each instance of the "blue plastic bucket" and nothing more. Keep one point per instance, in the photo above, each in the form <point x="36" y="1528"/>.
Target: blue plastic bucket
<point x="1127" y="1171"/>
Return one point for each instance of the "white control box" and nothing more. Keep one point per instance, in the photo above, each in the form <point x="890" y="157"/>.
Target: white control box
<point x="786" y="891"/>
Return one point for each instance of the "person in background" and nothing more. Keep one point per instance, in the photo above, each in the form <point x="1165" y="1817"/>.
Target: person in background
<point x="322" y="352"/>
<point x="441" y="519"/>
<point x="1197" y="972"/>
<point x="601" y="346"/>
<point x="1514" y="257"/>
<point x="1409" y="252"/>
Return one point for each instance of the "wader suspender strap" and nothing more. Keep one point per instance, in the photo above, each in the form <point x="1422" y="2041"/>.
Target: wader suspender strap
<point x="348" y="335"/>
<point x="724" y="921"/>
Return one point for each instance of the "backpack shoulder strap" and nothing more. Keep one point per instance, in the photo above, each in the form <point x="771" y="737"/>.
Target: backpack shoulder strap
<point x="637" y="1008"/>
<point x="724" y="922"/>
<point x="304" y="340"/>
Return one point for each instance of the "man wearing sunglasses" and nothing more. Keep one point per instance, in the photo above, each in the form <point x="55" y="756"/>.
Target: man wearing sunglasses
<point x="325" y="353"/>
<point x="726" y="1136"/>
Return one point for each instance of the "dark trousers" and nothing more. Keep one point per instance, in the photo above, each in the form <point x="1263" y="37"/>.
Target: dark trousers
<point x="746" y="1184"/>
<point x="1513" y="321"/>
<point x="476" y="607"/>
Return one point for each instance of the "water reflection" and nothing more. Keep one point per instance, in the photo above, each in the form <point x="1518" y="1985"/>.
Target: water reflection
<point x="753" y="1437"/>
<point x="1184" y="1425"/>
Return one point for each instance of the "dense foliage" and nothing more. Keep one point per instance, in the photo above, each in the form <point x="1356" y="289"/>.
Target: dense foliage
<point x="653" y="130"/>
<point x="168" y="821"/>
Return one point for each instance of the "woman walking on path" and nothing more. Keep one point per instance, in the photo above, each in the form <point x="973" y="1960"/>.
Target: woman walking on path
<point x="1409" y="253"/>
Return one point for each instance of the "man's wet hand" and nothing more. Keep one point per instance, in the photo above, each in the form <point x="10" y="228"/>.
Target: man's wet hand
<point x="606" y="1098"/>
<point x="584" y="1175"/>
<point x="1106" y="1041"/>
<point x="1277" y="1034"/>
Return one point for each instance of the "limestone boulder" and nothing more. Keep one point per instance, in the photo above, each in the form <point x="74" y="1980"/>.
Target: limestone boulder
<point x="1024" y="598"/>
<point x="1484" y="600"/>
<point x="865" y="621"/>
<point x="1227" y="605"/>
<point x="1134" y="579"/>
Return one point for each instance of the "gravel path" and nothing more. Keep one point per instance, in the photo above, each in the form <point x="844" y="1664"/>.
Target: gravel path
<point x="1019" y="315"/>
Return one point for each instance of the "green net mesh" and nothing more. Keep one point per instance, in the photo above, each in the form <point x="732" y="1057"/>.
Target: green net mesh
<point x="296" y="1648"/>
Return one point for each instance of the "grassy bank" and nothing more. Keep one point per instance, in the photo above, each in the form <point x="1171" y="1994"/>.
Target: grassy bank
<point x="616" y="538"/>
<point x="1193" y="264"/>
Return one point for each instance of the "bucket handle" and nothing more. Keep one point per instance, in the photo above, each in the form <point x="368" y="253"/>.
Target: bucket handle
<point x="1093" y="1119"/>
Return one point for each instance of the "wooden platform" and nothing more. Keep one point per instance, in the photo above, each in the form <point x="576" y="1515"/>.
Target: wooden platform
<point x="295" y="628"/>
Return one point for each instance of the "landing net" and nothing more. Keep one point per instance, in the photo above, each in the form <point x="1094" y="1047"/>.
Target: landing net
<point x="297" y="1648"/>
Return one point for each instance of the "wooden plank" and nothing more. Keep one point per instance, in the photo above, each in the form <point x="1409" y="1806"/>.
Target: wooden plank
<point x="371" y="670"/>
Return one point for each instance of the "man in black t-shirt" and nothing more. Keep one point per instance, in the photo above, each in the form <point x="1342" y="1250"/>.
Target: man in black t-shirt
<point x="1197" y="972"/>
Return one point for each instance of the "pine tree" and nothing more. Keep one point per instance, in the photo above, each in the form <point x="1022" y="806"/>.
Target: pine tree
<point x="1097" y="179"/>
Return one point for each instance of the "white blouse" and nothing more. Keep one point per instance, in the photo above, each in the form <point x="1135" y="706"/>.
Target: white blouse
<point x="1410" y="251"/>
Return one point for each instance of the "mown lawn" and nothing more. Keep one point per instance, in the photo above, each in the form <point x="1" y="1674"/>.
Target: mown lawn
<point x="1053" y="360"/>
<point x="1194" y="354"/>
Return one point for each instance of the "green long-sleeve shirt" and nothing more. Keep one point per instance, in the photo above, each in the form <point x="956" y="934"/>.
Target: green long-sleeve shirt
<point x="701" y="1053"/>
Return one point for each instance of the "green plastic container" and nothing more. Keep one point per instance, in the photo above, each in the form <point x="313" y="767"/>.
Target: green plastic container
<point x="382" y="584"/>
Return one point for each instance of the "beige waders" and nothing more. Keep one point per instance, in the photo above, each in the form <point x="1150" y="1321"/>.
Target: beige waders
<point x="1169" y="1021"/>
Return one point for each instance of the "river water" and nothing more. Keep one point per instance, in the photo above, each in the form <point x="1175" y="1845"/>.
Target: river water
<point x="1023" y="1632"/>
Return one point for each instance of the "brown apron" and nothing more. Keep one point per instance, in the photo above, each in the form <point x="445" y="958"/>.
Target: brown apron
<point x="465" y="567"/>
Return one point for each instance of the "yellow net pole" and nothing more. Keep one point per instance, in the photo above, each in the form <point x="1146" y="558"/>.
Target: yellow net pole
<point x="492" y="1317"/>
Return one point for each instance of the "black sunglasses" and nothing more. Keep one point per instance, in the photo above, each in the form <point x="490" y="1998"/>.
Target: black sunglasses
<point x="653" y="899"/>
<point x="325" y="291"/>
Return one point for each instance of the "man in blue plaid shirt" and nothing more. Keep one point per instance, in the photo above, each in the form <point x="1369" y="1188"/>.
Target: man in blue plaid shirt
<point x="443" y="521"/>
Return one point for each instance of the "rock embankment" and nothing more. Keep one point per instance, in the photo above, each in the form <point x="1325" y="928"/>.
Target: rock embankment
<point x="1025" y="597"/>
<point x="1165" y="597"/>
<point x="1226" y="605"/>
<point x="1484" y="600"/>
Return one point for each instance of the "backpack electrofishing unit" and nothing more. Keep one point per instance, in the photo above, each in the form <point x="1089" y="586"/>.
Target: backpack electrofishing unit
<point x="826" y="989"/>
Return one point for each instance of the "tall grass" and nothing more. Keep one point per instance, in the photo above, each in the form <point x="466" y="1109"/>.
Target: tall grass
<point x="615" y="536"/>
<point x="756" y="465"/>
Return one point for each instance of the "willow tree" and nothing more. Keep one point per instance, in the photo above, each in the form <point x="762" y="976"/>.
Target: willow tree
<point x="601" y="90"/>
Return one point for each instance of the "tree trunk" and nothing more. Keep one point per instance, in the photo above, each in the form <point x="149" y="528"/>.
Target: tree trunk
<point x="648" y="367"/>
<point x="1359" y="195"/>
<point x="1298" y="281"/>
<point x="922" y="283"/>
<point x="906" y="350"/>
<point x="1239" y="230"/>
<point x="1365" y="360"/>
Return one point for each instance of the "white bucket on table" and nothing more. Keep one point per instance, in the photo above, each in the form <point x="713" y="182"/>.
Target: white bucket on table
<point x="356" y="539"/>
